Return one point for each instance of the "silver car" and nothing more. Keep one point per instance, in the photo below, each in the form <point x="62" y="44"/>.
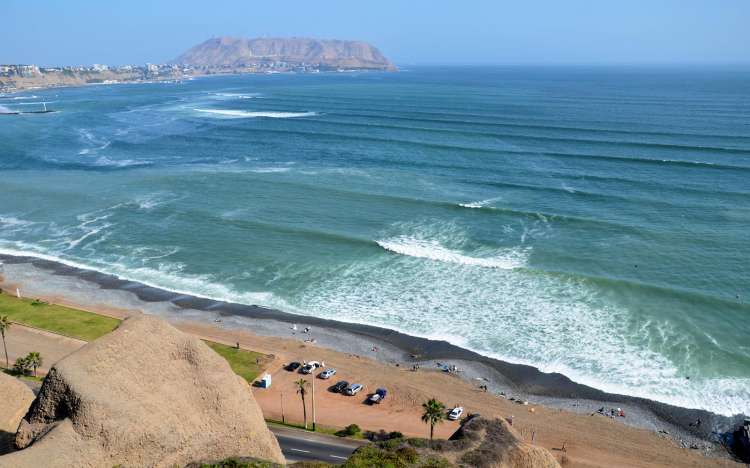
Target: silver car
<point x="353" y="389"/>
<point x="327" y="374"/>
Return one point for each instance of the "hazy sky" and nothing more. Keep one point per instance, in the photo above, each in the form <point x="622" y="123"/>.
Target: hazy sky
<point x="50" y="32"/>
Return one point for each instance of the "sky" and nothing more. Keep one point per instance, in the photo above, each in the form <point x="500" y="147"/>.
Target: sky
<point x="410" y="32"/>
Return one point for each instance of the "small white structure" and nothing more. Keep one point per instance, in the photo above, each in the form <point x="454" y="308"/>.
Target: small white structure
<point x="265" y="381"/>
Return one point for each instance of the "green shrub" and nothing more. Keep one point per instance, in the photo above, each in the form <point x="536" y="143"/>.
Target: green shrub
<point x="371" y="456"/>
<point x="408" y="454"/>
<point x="418" y="443"/>
<point x="353" y="429"/>
<point x="437" y="462"/>
<point x="22" y="366"/>
<point x="391" y="444"/>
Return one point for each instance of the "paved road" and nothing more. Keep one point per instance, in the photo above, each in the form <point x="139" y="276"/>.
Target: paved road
<point x="22" y="340"/>
<point x="298" y="445"/>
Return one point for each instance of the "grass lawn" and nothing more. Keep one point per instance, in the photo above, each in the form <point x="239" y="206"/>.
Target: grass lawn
<point x="66" y="321"/>
<point x="88" y="327"/>
<point x="32" y="378"/>
<point x="246" y="364"/>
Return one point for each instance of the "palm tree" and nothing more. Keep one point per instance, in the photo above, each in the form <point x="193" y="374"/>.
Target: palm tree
<point x="301" y="386"/>
<point x="434" y="412"/>
<point x="4" y="326"/>
<point x="35" y="360"/>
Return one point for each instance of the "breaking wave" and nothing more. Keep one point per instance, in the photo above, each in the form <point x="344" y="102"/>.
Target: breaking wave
<point x="479" y="204"/>
<point x="238" y="95"/>
<point x="240" y="114"/>
<point x="433" y="250"/>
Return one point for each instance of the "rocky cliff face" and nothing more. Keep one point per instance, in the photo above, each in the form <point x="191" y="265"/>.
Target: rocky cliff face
<point x="144" y="395"/>
<point x="236" y="52"/>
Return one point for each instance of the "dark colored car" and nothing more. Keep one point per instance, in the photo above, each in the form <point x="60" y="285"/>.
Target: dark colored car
<point x="339" y="387"/>
<point x="293" y="366"/>
<point x="378" y="396"/>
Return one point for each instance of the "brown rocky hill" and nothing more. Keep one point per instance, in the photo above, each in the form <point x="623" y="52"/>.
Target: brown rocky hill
<point x="144" y="395"/>
<point x="495" y="444"/>
<point x="237" y="52"/>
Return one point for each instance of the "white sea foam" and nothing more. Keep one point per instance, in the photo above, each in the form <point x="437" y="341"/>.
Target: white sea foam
<point x="271" y="170"/>
<point x="238" y="95"/>
<point x="88" y="233"/>
<point x="240" y="114"/>
<point x="479" y="204"/>
<point x="432" y="250"/>
<point x="5" y="110"/>
<point x="166" y="276"/>
<point x="104" y="161"/>
<point x="554" y="324"/>
<point x="13" y="221"/>
<point x="94" y="143"/>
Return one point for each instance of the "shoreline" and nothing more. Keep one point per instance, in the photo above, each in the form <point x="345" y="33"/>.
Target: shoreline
<point x="108" y="294"/>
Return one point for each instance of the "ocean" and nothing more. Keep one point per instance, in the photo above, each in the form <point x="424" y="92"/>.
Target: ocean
<point x="588" y="221"/>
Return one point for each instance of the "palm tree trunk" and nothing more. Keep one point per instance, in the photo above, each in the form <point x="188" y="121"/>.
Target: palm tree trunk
<point x="432" y="428"/>
<point x="304" y="410"/>
<point x="7" y="363"/>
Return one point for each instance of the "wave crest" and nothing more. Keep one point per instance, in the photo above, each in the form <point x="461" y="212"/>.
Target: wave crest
<point x="433" y="250"/>
<point x="240" y="114"/>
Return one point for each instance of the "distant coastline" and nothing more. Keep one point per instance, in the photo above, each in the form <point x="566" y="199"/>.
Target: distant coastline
<point x="86" y="76"/>
<point x="224" y="55"/>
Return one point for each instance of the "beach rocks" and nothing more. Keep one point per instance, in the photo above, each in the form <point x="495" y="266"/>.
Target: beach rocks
<point x="15" y="398"/>
<point x="144" y="395"/>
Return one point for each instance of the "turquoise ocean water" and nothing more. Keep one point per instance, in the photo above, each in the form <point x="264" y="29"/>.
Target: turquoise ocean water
<point x="594" y="222"/>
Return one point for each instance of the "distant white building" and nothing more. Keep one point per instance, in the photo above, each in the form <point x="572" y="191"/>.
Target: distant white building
<point x="27" y="70"/>
<point x="99" y="67"/>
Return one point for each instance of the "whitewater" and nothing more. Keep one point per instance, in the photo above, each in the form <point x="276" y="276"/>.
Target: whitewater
<point x="597" y="231"/>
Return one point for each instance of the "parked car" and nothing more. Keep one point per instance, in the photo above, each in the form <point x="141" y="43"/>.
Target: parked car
<point x="293" y="366"/>
<point x="310" y="367"/>
<point x="339" y="386"/>
<point x="378" y="396"/>
<point x="353" y="389"/>
<point x="327" y="374"/>
<point x="456" y="413"/>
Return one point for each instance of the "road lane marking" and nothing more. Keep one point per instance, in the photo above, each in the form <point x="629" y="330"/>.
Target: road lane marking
<point x="299" y="450"/>
<point x="336" y="456"/>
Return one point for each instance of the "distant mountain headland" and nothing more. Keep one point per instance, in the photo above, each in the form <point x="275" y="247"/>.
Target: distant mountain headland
<point x="216" y="55"/>
<point x="292" y="53"/>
